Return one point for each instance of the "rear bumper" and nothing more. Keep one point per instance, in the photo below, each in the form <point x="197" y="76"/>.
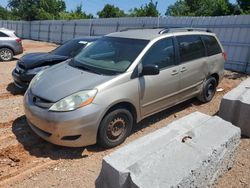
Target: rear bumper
<point x="74" y="129"/>
<point x="18" y="49"/>
<point x="21" y="80"/>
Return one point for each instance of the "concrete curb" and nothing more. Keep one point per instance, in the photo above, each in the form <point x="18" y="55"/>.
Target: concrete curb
<point x="190" y="152"/>
<point x="235" y="107"/>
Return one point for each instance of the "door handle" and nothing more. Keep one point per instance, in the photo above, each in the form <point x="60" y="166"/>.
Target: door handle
<point x="174" y="72"/>
<point x="183" y="69"/>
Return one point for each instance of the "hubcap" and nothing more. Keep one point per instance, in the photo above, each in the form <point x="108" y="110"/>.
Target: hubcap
<point x="116" y="128"/>
<point x="5" y="55"/>
<point x="210" y="90"/>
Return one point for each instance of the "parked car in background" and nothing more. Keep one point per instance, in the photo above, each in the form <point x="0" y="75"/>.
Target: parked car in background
<point x="30" y="64"/>
<point x="120" y="79"/>
<point x="10" y="44"/>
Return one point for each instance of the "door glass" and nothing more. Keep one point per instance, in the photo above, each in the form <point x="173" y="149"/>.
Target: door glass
<point x="161" y="54"/>
<point x="211" y="44"/>
<point x="190" y="47"/>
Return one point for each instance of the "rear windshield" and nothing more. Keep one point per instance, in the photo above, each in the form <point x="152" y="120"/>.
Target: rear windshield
<point x="110" y="54"/>
<point x="70" y="48"/>
<point x="211" y="44"/>
<point x="3" y="34"/>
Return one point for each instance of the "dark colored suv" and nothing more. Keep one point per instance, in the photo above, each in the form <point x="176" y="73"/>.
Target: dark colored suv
<point x="30" y="64"/>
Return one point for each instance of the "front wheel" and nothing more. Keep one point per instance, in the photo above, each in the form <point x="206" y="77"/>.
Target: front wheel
<point x="208" y="90"/>
<point x="115" y="128"/>
<point x="6" y="54"/>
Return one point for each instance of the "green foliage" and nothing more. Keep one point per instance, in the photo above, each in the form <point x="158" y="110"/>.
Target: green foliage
<point x="148" y="10"/>
<point x="4" y="13"/>
<point x="44" y="10"/>
<point x="37" y="9"/>
<point x="180" y="8"/>
<point x="78" y="13"/>
<point x="200" y="8"/>
<point x="244" y="5"/>
<point x="110" y="11"/>
<point x="56" y="9"/>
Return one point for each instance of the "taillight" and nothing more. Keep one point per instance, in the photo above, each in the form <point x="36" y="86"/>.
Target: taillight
<point x="19" y="40"/>
<point x="224" y="55"/>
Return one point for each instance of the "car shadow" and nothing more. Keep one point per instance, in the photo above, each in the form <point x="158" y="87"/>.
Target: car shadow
<point x="39" y="147"/>
<point x="14" y="90"/>
<point x="235" y="75"/>
<point x="15" y="59"/>
<point x="149" y="121"/>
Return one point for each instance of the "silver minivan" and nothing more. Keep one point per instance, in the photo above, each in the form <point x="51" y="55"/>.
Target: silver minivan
<point x="119" y="80"/>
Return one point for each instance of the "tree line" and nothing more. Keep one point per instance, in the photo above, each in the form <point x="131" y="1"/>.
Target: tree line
<point x="56" y="9"/>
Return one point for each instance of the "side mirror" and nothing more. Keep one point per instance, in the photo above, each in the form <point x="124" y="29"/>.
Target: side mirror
<point x="150" y="70"/>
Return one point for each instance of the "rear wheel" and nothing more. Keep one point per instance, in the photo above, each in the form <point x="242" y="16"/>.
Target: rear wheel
<point x="6" y="54"/>
<point x="208" y="90"/>
<point x="114" y="128"/>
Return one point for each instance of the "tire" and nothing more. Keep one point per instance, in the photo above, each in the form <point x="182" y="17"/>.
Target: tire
<point x="208" y="90"/>
<point x="6" y="54"/>
<point x="115" y="128"/>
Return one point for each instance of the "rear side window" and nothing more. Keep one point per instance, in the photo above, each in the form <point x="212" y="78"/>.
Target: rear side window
<point x="190" y="47"/>
<point x="212" y="45"/>
<point x="161" y="54"/>
<point x="3" y="34"/>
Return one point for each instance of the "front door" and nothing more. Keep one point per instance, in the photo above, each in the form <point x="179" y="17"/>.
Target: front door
<point x="159" y="91"/>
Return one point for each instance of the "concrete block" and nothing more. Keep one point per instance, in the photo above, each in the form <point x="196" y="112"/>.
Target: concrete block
<point x="235" y="107"/>
<point x="190" y="152"/>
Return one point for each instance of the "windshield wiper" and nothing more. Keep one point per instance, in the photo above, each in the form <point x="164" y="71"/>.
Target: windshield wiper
<point x="83" y="67"/>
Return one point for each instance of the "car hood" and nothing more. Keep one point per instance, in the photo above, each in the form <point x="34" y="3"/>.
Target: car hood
<point x="33" y="60"/>
<point x="63" y="80"/>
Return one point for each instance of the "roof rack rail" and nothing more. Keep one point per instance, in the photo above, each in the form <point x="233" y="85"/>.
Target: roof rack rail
<point x="138" y="28"/>
<point x="172" y="29"/>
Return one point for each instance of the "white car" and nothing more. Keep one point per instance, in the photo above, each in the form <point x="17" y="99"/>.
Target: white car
<point x="10" y="44"/>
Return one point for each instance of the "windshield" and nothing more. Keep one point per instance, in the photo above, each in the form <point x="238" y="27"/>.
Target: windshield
<point x="110" y="54"/>
<point x="69" y="48"/>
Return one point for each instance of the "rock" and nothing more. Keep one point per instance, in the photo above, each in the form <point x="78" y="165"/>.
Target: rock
<point x="190" y="152"/>
<point x="235" y="107"/>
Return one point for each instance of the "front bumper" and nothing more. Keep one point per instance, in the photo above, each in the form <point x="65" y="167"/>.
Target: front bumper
<point x="21" y="80"/>
<point x="74" y="129"/>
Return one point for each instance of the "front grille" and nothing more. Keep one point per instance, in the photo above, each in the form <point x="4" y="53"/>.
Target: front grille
<point x="40" y="102"/>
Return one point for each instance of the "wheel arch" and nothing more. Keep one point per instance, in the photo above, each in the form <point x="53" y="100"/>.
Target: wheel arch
<point x="123" y="104"/>
<point x="216" y="76"/>
<point x="9" y="47"/>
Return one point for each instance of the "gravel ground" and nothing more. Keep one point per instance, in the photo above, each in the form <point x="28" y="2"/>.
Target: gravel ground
<point x="28" y="161"/>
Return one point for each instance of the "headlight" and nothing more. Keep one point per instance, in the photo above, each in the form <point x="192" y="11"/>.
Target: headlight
<point x="36" y="70"/>
<point x="74" y="101"/>
<point x="36" y="78"/>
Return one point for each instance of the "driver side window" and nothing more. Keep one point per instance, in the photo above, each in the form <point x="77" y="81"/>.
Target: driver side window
<point x="161" y="54"/>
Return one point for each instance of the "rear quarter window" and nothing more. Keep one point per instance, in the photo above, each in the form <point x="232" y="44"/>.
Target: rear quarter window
<point x="212" y="45"/>
<point x="191" y="47"/>
<point x="3" y="34"/>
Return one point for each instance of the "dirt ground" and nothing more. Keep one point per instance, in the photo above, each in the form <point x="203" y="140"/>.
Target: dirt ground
<point x="28" y="161"/>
